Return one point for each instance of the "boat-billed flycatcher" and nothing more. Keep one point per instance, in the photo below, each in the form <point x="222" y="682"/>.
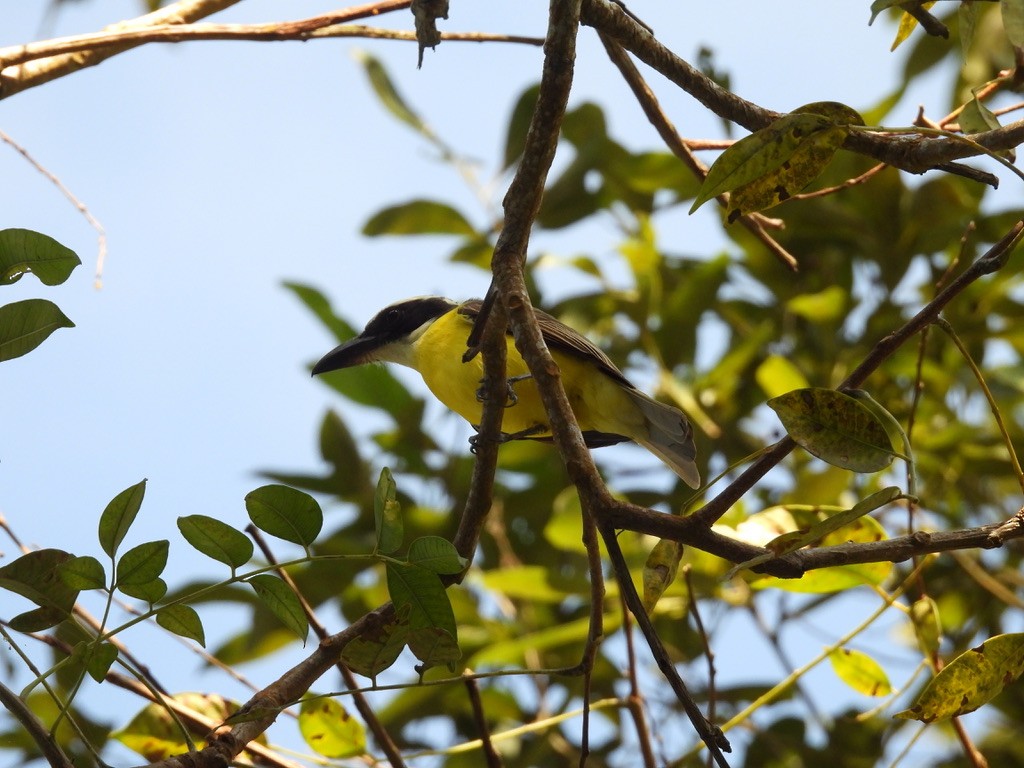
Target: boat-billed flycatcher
<point x="428" y="334"/>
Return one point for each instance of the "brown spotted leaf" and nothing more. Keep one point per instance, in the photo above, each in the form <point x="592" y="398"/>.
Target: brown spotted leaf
<point x="971" y="680"/>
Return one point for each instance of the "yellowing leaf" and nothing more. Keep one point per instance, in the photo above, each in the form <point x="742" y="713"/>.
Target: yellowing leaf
<point x="824" y="306"/>
<point x="836" y="428"/>
<point x="860" y="672"/>
<point x="777" y="375"/>
<point x="971" y="680"/>
<point x="329" y="730"/>
<point x="660" y="570"/>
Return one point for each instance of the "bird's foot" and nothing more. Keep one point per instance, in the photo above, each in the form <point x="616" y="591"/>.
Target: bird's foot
<point x="511" y="398"/>
<point x="505" y="437"/>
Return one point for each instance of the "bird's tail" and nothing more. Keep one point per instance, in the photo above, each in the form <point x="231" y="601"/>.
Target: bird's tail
<point x="669" y="437"/>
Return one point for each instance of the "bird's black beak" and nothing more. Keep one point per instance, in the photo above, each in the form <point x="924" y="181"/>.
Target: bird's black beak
<point x="355" y="351"/>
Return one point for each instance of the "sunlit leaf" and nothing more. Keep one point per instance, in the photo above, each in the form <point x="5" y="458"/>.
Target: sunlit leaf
<point x="970" y="681"/>
<point x="860" y="672"/>
<point x="757" y="157"/>
<point x="660" y="570"/>
<point x="155" y="735"/>
<point x="329" y="730"/>
<point x="777" y="375"/>
<point x="836" y="428"/>
<point x="924" y="614"/>
<point x="824" y="306"/>
<point x="387" y="514"/>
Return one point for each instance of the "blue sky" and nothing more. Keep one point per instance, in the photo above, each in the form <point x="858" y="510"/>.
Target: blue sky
<point x="221" y="169"/>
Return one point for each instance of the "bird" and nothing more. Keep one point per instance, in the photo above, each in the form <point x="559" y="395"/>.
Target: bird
<point x="429" y="333"/>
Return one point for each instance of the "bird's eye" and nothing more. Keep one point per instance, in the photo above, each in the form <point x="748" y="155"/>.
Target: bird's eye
<point x="393" y="314"/>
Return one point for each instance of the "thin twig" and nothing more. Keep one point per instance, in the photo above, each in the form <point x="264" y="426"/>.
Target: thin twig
<point x="101" y="234"/>
<point x="635" y="700"/>
<point x="480" y="717"/>
<point x="667" y="131"/>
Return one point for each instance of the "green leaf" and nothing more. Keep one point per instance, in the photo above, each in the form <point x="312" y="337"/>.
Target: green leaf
<point x="119" y="515"/>
<point x="860" y="672"/>
<point x="519" y="125"/>
<point x="967" y="16"/>
<point x="83" y="573"/>
<point x="329" y="730"/>
<point x="388" y="95"/>
<point x="423" y="592"/>
<point x="143" y="563"/>
<point x="282" y="602"/>
<point x="975" y="117"/>
<point x="762" y="153"/>
<point x="387" y="514"/>
<point x="38" y="619"/>
<point x="285" y="513"/>
<point x="436" y="554"/>
<point x="37" y="577"/>
<point x="434" y="646"/>
<point x="216" y="540"/>
<point x="150" y="591"/>
<point x="24" y="325"/>
<point x="97" y="657"/>
<point x="22" y="250"/>
<point x="183" y="621"/>
<point x="418" y="217"/>
<point x="924" y="614"/>
<point x="660" y="571"/>
<point x="880" y="5"/>
<point x="1013" y="21"/>
<point x="971" y="680"/>
<point x="836" y="428"/>
<point x="372" y="652"/>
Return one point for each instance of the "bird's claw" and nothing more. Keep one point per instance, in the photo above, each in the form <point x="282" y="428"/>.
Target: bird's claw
<point x="511" y="398"/>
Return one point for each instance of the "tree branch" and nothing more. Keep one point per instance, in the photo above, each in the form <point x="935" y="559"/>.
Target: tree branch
<point x="993" y="259"/>
<point x="31" y="74"/>
<point x="913" y="154"/>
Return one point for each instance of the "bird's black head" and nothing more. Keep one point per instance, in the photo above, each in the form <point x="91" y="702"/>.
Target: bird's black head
<point x="391" y="326"/>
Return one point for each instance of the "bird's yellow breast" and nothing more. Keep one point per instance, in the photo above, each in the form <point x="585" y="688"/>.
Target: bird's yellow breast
<point x="598" y="401"/>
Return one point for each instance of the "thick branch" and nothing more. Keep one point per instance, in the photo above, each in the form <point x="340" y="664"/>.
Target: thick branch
<point x="265" y="706"/>
<point x="36" y="73"/>
<point x="796" y="564"/>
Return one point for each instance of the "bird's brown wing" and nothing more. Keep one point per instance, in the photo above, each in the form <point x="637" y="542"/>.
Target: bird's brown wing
<point x="559" y="336"/>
